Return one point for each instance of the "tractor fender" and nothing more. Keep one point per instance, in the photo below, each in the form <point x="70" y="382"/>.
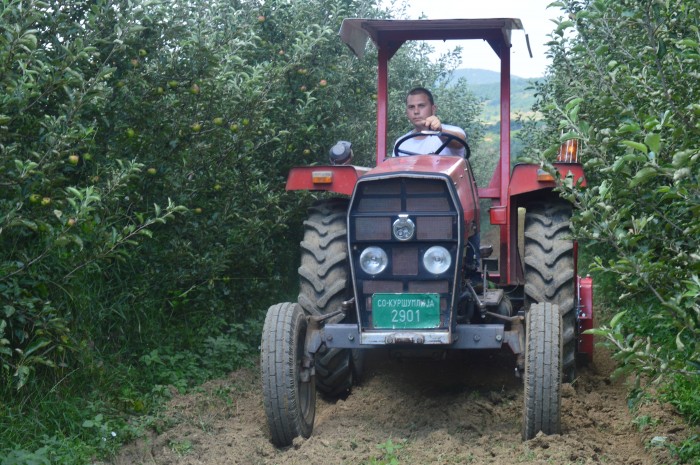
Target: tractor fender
<point x="524" y="178"/>
<point x="339" y="179"/>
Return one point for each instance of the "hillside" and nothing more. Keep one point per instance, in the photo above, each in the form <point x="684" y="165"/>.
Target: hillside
<point x="486" y="84"/>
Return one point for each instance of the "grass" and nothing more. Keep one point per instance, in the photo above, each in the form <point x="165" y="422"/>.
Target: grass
<point x="181" y="448"/>
<point x="389" y="454"/>
<point x="91" y="413"/>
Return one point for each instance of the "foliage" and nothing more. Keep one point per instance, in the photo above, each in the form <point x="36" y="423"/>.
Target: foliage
<point x="144" y="223"/>
<point x="66" y="213"/>
<point x="619" y="82"/>
<point x="390" y="453"/>
<point x="120" y="401"/>
<point x="688" y="450"/>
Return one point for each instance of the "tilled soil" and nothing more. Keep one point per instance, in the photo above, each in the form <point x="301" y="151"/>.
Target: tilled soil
<point x="461" y="411"/>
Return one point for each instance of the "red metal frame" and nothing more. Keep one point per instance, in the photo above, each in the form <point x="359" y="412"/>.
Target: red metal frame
<point x="382" y="108"/>
<point x="344" y="178"/>
<point x="389" y="36"/>
<point x="585" y="317"/>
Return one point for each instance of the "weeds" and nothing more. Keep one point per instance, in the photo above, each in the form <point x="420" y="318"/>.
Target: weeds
<point x="688" y="450"/>
<point x="98" y="410"/>
<point x="181" y="448"/>
<point x="643" y="421"/>
<point x="389" y="455"/>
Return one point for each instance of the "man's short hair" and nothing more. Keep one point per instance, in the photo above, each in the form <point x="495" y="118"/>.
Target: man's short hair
<point x="421" y="90"/>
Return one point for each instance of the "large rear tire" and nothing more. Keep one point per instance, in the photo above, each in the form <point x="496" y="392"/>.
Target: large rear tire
<point x="543" y="351"/>
<point x="324" y="277"/>
<point x="549" y="269"/>
<point x="289" y="390"/>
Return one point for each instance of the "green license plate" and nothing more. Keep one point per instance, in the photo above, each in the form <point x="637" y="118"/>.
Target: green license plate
<point x="397" y="311"/>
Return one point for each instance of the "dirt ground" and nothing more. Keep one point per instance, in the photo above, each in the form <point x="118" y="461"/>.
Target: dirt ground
<point x="464" y="411"/>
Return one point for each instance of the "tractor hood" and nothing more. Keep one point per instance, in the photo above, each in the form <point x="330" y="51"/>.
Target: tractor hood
<point x="454" y="167"/>
<point x="431" y="166"/>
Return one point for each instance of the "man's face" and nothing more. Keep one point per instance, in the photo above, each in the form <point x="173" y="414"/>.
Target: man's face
<point x="418" y="108"/>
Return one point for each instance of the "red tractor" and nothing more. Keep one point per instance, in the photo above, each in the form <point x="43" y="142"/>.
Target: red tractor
<point x="390" y="261"/>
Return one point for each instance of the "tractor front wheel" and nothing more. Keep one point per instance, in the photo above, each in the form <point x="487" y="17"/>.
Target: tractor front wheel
<point x="543" y="358"/>
<point x="289" y="390"/>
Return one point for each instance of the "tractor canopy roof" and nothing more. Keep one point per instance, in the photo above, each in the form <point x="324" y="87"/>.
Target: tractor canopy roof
<point x="391" y="34"/>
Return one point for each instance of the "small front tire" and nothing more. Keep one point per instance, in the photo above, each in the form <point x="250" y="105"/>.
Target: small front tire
<point x="543" y="359"/>
<point x="289" y="387"/>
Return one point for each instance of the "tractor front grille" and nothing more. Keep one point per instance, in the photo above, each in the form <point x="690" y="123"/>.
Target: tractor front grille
<point x="431" y="205"/>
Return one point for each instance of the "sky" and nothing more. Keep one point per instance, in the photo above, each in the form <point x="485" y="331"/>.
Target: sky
<point x="534" y="14"/>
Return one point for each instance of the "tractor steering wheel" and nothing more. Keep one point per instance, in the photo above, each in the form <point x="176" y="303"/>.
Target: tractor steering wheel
<point x="449" y="137"/>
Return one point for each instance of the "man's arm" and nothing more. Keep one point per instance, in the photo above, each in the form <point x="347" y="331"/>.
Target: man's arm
<point x="433" y="123"/>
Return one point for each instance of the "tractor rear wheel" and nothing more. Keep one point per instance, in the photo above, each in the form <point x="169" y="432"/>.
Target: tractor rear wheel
<point x="289" y="390"/>
<point x="543" y="352"/>
<point x="324" y="277"/>
<point x="550" y="275"/>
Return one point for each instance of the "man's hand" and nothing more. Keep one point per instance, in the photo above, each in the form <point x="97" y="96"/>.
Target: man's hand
<point x="432" y="123"/>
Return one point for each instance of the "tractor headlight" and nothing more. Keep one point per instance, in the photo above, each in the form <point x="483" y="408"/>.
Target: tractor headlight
<point x="437" y="260"/>
<point x="373" y="260"/>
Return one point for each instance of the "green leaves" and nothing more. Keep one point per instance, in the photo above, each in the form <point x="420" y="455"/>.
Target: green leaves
<point x="653" y="141"/>
<point x="635" y="145"/>
<point x="643" y="176"/>
<point x="629" y="95"/>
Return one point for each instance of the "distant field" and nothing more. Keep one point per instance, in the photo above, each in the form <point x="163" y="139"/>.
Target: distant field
<point x="486" y="85"/>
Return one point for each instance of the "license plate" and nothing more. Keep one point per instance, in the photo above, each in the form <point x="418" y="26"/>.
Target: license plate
<point x="398" y="311"/>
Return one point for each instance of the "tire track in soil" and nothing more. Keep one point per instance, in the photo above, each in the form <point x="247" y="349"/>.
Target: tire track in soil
<point x="457" y="411"/>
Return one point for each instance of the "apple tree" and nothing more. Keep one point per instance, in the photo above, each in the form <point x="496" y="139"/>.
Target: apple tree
<point x="621" y="82"/>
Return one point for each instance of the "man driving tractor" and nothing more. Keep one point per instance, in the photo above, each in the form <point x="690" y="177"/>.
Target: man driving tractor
<point x="420" y="110"/>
